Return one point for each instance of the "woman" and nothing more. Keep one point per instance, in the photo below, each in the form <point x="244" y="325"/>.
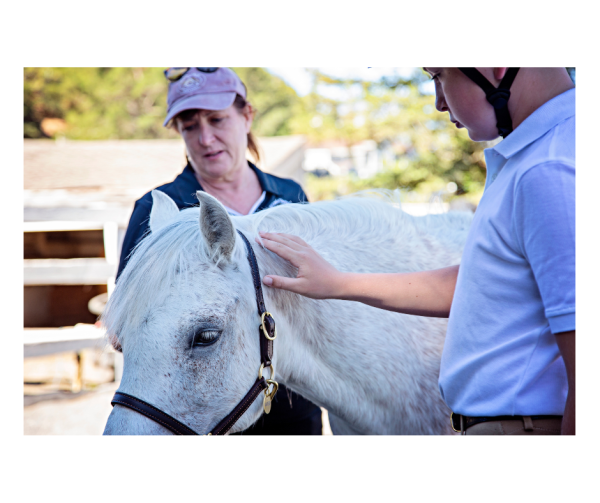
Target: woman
<point x="208" y="107"/>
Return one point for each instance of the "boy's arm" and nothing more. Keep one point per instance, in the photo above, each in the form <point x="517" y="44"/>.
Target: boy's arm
<point x="566" y="344"/>
<point x="426" y="293"/>
<point x="545" y="225"/>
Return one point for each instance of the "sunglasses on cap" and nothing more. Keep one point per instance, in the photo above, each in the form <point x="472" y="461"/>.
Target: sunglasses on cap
<point x="174" y="74"/>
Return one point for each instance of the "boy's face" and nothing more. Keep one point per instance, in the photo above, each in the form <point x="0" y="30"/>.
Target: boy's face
<point x="465" y="101"/>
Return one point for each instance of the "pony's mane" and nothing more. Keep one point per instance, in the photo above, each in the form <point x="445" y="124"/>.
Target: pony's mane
<point x="359" y="216"/>
<point x="162" y="259"/>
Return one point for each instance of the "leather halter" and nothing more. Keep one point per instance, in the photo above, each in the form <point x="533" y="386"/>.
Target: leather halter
<point x="266" y="334"/>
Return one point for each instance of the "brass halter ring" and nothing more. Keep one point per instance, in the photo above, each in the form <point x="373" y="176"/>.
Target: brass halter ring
<point x="262" y="325"/>
<point x="260" y="370"/>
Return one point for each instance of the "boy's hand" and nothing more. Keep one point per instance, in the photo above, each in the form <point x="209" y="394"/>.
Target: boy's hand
<point x="423" y="293"/>
<point x="316" y="278"/>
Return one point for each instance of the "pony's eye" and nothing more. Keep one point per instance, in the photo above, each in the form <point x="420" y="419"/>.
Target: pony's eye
<point x="206" y="337"/>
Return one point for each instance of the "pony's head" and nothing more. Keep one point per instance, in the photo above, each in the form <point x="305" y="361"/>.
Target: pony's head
<point x="184" y="315"/>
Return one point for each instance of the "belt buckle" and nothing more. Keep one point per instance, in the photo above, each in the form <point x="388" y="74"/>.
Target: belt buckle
<point x="452" y="419"/>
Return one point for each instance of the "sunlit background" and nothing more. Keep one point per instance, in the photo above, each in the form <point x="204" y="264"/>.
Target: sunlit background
<point x="94" y="143"/>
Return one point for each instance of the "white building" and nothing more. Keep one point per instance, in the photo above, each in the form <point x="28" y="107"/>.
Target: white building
<point x="363" y="159"/>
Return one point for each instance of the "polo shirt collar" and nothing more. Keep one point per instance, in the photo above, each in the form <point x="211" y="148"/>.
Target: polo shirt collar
<point x="541" y="121"/>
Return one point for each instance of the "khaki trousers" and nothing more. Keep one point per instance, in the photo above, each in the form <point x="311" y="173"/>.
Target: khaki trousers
<point x="525" y="426"/>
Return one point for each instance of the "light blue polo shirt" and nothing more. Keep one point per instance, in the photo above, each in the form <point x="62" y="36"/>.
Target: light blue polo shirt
<point x="516" y="283"/>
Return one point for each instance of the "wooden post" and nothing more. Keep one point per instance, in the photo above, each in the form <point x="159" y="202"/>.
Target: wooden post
<point x="77" y="384"/>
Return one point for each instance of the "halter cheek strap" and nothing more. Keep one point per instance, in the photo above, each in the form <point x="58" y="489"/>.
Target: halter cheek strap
<point x="266" y="333"/>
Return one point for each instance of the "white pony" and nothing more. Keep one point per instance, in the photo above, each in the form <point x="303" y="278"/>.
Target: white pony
<point x="189" y="280"/>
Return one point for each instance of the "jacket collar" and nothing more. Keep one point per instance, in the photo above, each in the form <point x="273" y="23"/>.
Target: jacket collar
<point x="265" y="180"/>
<point x="535" y="126"/>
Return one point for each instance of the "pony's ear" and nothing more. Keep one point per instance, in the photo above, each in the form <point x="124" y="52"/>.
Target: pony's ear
<point x="163" y="210"/>
<point x="216" y="227"/>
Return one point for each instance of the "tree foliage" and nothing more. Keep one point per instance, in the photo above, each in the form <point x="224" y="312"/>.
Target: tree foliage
<point x="275" y="102"/>
<point x="128" y="103"/>
<point x="96" y="103"/>
<point x="427" y="150"/>
<point x="422" y="148"/>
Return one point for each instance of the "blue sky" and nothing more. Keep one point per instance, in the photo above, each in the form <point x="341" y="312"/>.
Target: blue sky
<point x="300" y="79"/>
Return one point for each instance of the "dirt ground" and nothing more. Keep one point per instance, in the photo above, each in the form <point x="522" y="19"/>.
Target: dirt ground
<point x="67" y="396"/>
<point x="83" y="413"/>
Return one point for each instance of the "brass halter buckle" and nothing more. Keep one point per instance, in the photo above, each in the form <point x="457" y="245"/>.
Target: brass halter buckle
<point x="262" y="325"/>
<point x="268" y="398"/>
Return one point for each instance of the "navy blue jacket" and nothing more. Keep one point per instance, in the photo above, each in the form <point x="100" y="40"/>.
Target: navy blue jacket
<point x="291" y="414"/>
<point x="183" y="191"/>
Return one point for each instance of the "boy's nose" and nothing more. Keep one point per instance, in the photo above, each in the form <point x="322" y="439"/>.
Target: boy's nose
<point x="440" y="103"/>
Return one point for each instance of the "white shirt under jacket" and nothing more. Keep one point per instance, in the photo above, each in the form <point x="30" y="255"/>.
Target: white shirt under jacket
<point x="516" y="283"/>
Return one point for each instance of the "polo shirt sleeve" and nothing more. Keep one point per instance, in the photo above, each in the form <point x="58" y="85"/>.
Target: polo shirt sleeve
<point x="544" y="222"/>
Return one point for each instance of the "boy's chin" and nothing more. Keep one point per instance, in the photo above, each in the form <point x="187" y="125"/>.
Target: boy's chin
<point x="482" y="136"/>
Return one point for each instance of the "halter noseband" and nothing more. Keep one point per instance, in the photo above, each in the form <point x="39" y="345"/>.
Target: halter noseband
<point x="266" y="334"/>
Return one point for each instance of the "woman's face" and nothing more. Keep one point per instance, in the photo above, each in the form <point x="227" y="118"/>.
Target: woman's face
<point x="465" y="102"/>
<point x="216" y="141"/>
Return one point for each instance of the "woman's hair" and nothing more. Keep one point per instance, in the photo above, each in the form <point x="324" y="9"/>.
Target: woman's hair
<point x="240" y="103"/>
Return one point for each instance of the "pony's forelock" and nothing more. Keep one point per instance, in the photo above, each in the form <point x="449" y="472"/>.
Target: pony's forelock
<point x="160" y="261"/>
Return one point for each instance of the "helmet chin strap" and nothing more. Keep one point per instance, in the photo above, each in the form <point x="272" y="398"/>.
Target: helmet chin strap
<point x="497" y="96"/>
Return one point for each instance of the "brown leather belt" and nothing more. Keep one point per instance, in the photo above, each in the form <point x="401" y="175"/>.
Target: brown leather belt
<point x="461" y="423"/>
<point x="266" y="333"/>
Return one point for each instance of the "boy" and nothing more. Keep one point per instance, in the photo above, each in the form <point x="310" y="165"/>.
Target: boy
<point x="508" y="365"/>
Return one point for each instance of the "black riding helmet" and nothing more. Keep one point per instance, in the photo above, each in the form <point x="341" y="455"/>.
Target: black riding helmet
<point x="497" y="96"/>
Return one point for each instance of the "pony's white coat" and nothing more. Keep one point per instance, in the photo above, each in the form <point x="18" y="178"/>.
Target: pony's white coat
<point x="374" y="371"/>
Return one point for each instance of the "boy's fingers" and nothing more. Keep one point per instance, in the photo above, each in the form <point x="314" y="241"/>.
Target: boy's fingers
<point x="281" y="239"/>
<point x="284" y="241"/>
<point x="282" y="283"/>
<point x="290" y="240"/>
<point x="296" y="239"/>
<point x="291" y="237"/>
<point x="282" y="250"/>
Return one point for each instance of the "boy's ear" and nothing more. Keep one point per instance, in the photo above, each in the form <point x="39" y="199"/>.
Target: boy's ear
<point x="499" y="73"/>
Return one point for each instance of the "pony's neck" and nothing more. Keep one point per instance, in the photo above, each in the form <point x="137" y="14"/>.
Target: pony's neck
<point x="358" y="362"/>
<point x="313" y="356"/>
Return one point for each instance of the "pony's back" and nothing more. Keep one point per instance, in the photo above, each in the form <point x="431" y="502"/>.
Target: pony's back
<point x="366" y="234"/>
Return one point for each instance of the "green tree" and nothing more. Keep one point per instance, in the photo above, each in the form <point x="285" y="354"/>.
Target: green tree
<point x="428" y="150"/>
<point x="126" y="103"/>
<point x="96" y="103"/>
<point x="275" y="102"/>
